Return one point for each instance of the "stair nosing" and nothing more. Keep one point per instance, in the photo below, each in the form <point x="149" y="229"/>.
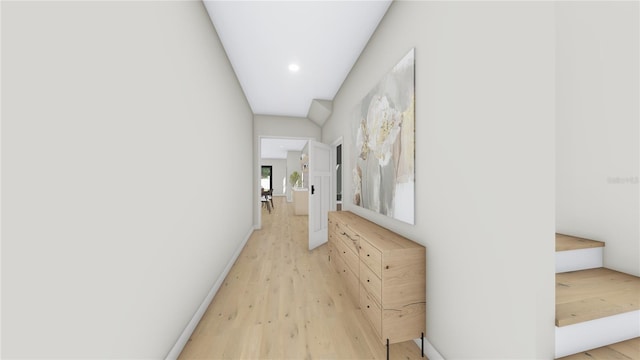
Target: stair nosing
<point x="591" y="292"/>
<point x="570" y="242"/>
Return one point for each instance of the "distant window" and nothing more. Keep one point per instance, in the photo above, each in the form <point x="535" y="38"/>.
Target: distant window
<point x="266" y="180"/>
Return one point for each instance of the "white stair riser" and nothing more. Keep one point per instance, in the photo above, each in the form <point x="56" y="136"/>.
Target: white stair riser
<point x="596" y="333"/>
<point x="582" y="259"/>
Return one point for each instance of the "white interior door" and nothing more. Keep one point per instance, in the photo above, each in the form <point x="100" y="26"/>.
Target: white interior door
<point x="320" y="182"/>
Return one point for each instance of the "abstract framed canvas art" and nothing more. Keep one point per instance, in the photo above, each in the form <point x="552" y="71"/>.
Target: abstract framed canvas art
<point x="384" y="138"/>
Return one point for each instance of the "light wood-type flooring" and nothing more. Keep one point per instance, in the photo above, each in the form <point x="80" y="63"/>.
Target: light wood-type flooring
<point x="567" y="242"/>
<point x="281" y="301"/>
<point x="626" y="350"/>
<point x="595" y="293"/>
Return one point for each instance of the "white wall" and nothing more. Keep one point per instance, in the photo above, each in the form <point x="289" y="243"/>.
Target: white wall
<point x="484" y="167"/>
<point x="115" y="221"/>
<point x="597" y="127"/>
<point x="277" y="127"/>
<point x="285" y="127"/>
<point x="279" y="171"/>
<point x="293" y="164"/>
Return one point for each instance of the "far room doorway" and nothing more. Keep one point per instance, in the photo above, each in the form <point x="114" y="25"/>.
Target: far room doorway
<point x="284" y="156"/>
<point x="336" y="203"/>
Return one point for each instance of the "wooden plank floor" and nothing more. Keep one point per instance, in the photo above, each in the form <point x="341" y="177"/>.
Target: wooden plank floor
<point x="566" y="242"/>
<point x="281" y="301"/>
<point x="626" y="350"/>
<point x="595" y="293"/>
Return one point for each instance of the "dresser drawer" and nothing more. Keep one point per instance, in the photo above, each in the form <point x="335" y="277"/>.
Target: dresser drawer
<point x="371" y="310"/>
<point x="333" y="239"/>
<point x="371" y="283"/>
<point x="349" y="235"/>
<point x="348" y="256"/>
<point x="338" y="263"/>
<point x="371" y="257"/>
<point x="349" y="278"/>
<point x="353" y="286"/>
<point x="350" y="242"/>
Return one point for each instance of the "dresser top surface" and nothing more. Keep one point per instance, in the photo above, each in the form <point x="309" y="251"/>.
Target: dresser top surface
<point x="378" y="236"/>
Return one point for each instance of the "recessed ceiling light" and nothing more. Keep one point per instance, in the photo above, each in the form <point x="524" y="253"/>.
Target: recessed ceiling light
<point x="294" y="67"/>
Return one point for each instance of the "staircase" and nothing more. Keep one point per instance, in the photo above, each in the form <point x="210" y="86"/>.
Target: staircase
<point x="595" y="306"/>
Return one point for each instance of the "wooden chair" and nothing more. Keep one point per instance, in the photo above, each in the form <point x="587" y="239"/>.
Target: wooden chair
<point x="267" y="199"/>
<point x="269" y="195"/>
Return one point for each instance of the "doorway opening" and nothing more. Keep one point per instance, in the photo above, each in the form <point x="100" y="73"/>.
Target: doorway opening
<point x="282" y="155"/>
<point x="336" y="172"/>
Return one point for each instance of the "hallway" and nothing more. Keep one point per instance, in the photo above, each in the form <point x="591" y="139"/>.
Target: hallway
<point x="281" y="301"/>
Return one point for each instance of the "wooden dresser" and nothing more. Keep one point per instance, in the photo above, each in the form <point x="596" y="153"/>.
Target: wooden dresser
<point x="384" y="273"/>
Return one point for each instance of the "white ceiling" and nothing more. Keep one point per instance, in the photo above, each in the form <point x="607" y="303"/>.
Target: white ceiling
<point x="262" y="38"/>
<point x="277" y="148"/>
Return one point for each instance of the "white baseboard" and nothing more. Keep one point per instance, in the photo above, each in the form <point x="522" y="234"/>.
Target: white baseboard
<point x="429" y="351"/>
<point x="191" y="326"/>
<point x="572" y="339"/>
<point x="581" y="259"/>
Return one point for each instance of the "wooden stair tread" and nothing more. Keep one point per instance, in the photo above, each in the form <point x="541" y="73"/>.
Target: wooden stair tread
<point x="593" y="294"/>
<point x="567" y="242"/>
<point x="625" y="350"/>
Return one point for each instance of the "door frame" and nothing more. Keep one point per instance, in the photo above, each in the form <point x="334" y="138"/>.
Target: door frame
<point x="257" y="208"/>
<point x="334" y="173"/>
<point x="270" y="175"/>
